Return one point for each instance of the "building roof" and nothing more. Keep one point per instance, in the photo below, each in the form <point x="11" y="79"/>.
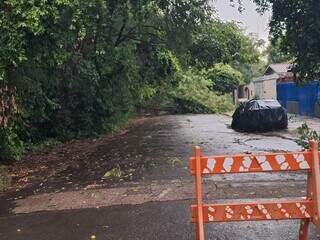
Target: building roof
<point x="278" y="68"/>
<point x="273" y="76"/>
<point x="277" y="71"/>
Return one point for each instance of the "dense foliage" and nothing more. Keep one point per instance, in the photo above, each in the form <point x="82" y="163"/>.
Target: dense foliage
<point x="296" y="24"/>
<point x="194" y="94"/>
<point x="218" y="42"/>
<point x="224" y="78"/>
<point x="82" y="67"/>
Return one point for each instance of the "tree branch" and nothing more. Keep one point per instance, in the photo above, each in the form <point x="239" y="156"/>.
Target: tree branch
<point x="118" y="40"/>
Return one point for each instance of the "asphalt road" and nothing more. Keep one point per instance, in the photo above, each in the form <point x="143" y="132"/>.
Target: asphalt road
<point x="158" y="221"/>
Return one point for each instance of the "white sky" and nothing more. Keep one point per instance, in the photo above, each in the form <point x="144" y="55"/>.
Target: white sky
<point x="252" y="21"/>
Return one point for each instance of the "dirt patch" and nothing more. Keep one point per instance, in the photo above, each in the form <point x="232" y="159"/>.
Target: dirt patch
<point x="156" y="192"/>
<point x="38" y="167"/>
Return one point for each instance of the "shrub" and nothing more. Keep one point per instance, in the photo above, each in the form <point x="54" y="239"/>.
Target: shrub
<point x="306" y="134"/>
<point x="12" y="147"/>
<point x="194" y="96"/>
<point x="224" y="78"/>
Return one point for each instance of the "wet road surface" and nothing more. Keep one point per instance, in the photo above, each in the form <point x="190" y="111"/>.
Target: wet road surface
<point x="155" y="153"/>
<point x="158" y="221"/>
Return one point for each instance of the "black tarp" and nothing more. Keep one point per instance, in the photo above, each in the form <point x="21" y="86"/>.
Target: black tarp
<point x="259" y="116"/>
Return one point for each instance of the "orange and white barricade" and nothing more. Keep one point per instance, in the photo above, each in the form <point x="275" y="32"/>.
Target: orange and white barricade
<point x="307" y="210"/>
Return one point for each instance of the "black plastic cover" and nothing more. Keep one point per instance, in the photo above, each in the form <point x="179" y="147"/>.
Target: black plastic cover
<point x="259" y="116"/>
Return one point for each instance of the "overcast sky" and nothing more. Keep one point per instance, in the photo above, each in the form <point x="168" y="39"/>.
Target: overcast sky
<point x="252" y="21"/>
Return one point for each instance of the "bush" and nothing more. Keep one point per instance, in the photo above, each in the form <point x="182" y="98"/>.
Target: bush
<point x="12" y="147"/>
<point x="224" y="78"/>
<point x="194" y="96"/>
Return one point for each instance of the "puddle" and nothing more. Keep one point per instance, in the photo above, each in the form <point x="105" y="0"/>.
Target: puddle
<point x="273" y="144"/>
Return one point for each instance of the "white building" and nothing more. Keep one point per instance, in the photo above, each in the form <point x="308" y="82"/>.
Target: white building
<point x="265" y="87"/>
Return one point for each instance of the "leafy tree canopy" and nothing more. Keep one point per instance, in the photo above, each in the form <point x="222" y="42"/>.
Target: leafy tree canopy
<point x="275" y="53"/>
<point x="224" y="42"/>
<point x="297" y="24"/>
<point x="224" y="78"/>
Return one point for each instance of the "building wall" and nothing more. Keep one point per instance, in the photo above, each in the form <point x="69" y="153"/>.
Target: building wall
<point x="258" y="89"/>
<point x="249" y="90"/>
<point x="270" y="89"/>
<point x="244" y="93"/>
<point x="266" y="89"/>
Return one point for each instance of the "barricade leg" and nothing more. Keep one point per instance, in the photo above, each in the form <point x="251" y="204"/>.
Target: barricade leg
<point x="304" y="224"/>
<point x="304" y="229"/>
<point x="315" y="183"/>
<point x="199" y="226"/>
<point x="197" y="232"/>
<point x="313" y="190"/>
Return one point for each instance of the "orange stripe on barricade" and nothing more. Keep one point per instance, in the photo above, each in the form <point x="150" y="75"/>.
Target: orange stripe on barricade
<point x="268" y="162"/>
<point x="308" y="210"/>
<point x="254" y="211"/>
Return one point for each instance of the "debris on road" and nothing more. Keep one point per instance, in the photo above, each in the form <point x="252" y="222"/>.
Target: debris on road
<point x="118" y="173"/>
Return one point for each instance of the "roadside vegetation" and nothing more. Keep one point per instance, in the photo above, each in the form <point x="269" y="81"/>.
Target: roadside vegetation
<point x="306" y="134"/>
<point x="73" y="69"/>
